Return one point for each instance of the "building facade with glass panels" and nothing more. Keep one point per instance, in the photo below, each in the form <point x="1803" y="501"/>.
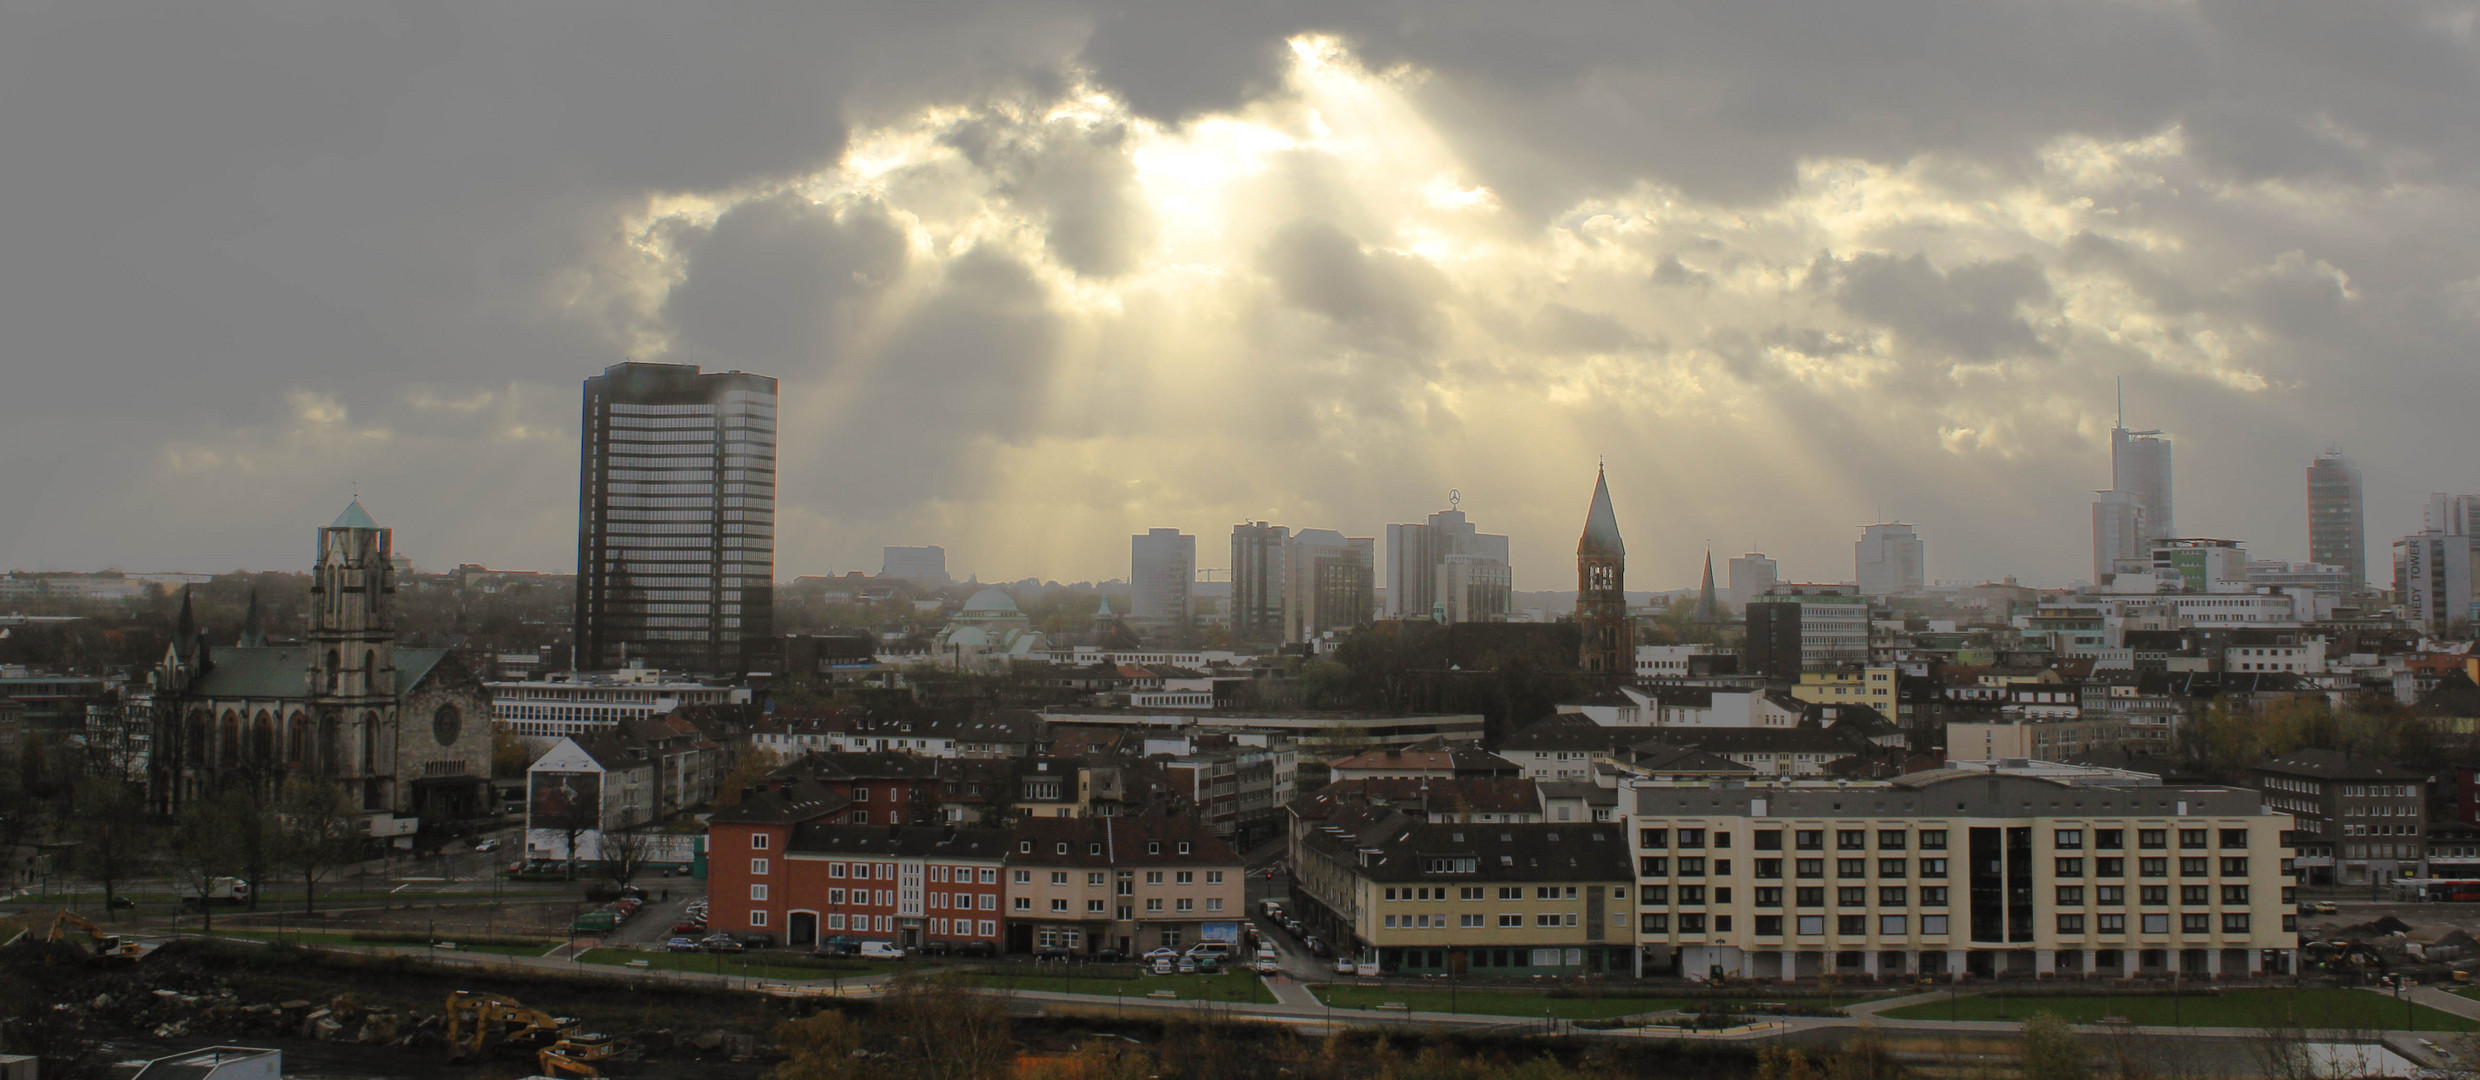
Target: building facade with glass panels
<point x="675" y="518"/>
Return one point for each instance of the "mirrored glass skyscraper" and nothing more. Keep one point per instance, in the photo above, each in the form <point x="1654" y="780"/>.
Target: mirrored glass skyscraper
<point x="675" y="518"/>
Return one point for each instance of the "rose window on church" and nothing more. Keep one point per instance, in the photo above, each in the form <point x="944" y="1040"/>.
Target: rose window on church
<point x="446" y="724"/>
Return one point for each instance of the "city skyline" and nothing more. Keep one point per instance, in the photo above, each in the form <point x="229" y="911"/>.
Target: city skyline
<point x="1206" y="267"/>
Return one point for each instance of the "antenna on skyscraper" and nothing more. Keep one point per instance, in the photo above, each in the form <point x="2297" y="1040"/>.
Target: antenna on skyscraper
<point x="2122" y="401"/>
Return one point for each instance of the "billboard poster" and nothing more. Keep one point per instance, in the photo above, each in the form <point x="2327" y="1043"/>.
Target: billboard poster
<point x="1228" y="932"/>
<point x="564" y="800"/>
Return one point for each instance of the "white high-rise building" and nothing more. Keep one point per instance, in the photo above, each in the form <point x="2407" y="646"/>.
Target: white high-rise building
<point x="1162" y="577"/>
<point x="1889" y="560"/>
<point x="2118" y="534"/>
<point x="2140" y="467"/>
<point x="2433" y="568"/>
<point x="1415" y="552"/>
<point x="1751" y="575"/>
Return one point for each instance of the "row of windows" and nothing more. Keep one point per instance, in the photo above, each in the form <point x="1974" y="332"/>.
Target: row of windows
<point x="1695" y="922"/>
<point x="1802" y="839"/>
<point x="1505" y="892"/>
<point x="2193" y="922"/>
<point x="1807" y="896"/>
<point x="2149" y="839"/>
<point x="1153" y="905"/>
<point x="2154" y="866"/>
<point x="2156" y="895"/>
<point x="1772" y="869"/>
<point x="1506" y="920"/>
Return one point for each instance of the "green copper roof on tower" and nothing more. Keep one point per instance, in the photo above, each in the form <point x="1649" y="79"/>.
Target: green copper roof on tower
<point x="354" y="517"/>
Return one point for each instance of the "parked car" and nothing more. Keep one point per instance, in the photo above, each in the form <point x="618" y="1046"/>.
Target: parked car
<point x="721" y="943"/>
<point x="689" y="926"/>
<point x="1188" y="965"/>
<point x="1345" y="966"/>
<point x="2319" y="907"/>
<point x="1294" y="926"/>
<point x="881" y="950"/>
<point x="594" y="922"/>
<point x="681" y="944"/>
<point x="1053" y="952"/>
<point x="1217" y="949"/>
<point x="487" y="845"/>
<point x="1267" y="965"/>
<point x="759" y="940"/>
<point x="1207" y="964"/>
<point x="839" y="945"/>
<point x="1160" y="965"/>
<point x="941" y="947"/>
<point x="120" y="903"/>
<point x="1315" y="947"/>
<point x="984" y="949"/>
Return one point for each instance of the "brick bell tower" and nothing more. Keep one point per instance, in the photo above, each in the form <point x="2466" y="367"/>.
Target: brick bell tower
<point x="1609" y="639"/>
<point x="353" y="655"/>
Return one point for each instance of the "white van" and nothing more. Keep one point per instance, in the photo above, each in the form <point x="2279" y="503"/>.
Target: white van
<point x="881" y="950"/>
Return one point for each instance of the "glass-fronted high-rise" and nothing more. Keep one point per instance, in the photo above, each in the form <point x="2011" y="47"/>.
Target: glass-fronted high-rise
<point x="675" y="518"/>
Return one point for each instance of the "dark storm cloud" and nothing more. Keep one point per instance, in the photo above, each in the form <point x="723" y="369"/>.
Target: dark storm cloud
<point x="245" y="246"/>
<point x="955" y="384"/>
<point x="773" y="285"/>
<point x="1385" y="300"/>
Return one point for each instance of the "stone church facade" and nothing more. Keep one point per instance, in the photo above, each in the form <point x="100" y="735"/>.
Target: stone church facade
<point x="406" y="731"/>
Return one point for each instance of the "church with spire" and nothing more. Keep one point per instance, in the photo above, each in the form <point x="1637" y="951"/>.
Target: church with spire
<point x="406" y="731"/>
<point x="1608" y="636"/>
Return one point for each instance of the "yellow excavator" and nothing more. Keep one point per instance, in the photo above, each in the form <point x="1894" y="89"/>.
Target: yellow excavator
<point x="574" y="1056"/>
<point x="482" y="1016"/>
<point x="103" y="946"/>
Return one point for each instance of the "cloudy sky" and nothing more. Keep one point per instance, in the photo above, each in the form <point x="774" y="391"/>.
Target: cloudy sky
<point x="1041" y="273"/>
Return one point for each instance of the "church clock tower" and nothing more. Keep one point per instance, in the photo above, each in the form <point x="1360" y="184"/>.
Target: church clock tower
<point x="1609" y="645"/>
<point x="353" y="655"/>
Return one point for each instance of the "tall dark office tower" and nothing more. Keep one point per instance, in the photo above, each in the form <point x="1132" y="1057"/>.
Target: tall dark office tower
<point x="676" y="518"/>
<point x="1257" y="580"/>
<point x="2337" y="531"/>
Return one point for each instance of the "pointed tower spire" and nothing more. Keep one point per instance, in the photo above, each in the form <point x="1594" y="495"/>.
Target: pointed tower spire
<point x="185" y="629"/>
<point x="253" y="636"/>
<point x="1601" y="523"/>
<point x="1708" y="609"/>
<point x="1608" y="649"/>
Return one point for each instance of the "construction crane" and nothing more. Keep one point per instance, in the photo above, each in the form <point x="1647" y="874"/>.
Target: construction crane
<point x="103" y="946"/>
<point x="511" y="1020"/>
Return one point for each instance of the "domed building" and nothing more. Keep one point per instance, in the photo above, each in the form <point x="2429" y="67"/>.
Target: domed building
<point x="989" y="632"/>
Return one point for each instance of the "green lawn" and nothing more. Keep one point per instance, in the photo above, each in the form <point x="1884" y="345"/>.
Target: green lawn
<point x="1232" y="986"/>
<point x="2235" y="1009"/>
<point x="1494" y="1002"/>
<point x="744" y="965"/>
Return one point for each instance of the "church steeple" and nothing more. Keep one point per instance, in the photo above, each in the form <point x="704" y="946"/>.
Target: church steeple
<point x="1608" y="648"/>
<point x="252" y="634"/>
<point x="1708" y="607"/>
<point x="352" y="610"/>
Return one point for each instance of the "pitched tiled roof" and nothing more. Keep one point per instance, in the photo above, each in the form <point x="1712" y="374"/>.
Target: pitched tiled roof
<point x="1123" y="841"/>
<point x="899" y="841"/>
<point x="795" y="802"/>
<point x="1401" y="849"/>
<point x="1433" y="796"/>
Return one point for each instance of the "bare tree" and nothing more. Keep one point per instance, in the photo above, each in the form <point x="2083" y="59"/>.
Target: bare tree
<point x="112" y="834"/>
<point x="204" y="847"/>
<point x="625" y="853"/>
<point x="939" y="1031"/>
<point x="315" y="831"/>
